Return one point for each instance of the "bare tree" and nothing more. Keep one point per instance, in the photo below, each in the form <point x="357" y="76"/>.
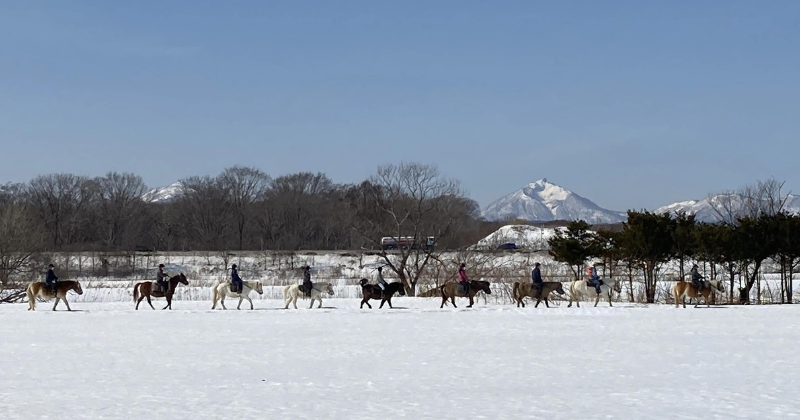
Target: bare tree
<point x="120" y="203"/>
<point x="245" y="186"/>
<point x="413" y="201"/>
<point x="205" y="209"/>
<point x="21" y="234"/>
<point x="59" y="200"/>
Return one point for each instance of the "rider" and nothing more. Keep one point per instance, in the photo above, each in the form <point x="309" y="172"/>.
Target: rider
<point x="236" y="281"/>
<point x="382" y="282"/>
<point x="162" y="279"/>
<point x="307" y="284"/>
<point x="50" y="279"/>
<point x="594" y="278"/>
<point x="463" y="281"/>
<point x="697" y="279"/>
<point x="536" y="277"/>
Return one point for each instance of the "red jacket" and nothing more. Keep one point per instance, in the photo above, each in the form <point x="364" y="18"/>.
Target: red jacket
<point x="462" y="275"/>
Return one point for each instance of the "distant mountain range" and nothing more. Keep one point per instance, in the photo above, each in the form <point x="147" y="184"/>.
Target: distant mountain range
<point x="703" y="210"/>
<point x="544" y="201"/>
<point x="164" y="194"/>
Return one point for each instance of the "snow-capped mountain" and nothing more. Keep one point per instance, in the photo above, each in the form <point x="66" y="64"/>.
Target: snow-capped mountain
<point x="704" y="210"/>
<point x="164" y="194"/>
<point x="544" y="201"/>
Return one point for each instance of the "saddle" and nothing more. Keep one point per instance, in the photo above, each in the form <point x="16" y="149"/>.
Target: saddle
<point x="236" y="288"/>
<point x="590" y="284"/>
<point x="157" y="287"/>
<point x="463" y="287"/>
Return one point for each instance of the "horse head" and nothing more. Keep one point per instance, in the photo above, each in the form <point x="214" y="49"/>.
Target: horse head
<point x="329" y="289"/>
<point x="78" y="289"/>
<point x="363" y="282"/>
<point x="259" y="289"/>
<point x="182" y="279"/>
<point x="720" y="286"/>
<point x="400" y="289"/>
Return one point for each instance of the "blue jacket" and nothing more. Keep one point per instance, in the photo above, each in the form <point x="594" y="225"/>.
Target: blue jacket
<point x="536" y="275"/>
<point x="235" y="276"/>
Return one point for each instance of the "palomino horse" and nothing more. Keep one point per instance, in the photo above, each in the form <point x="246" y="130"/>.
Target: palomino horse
<point x="292" y="292"/>
<point x="682" y="289"/>
<point x="224" y="289"/>
<point x="580" y="288"/>
<point x="371" y="291"/>
<point x="42" y="290"/>
<point x="522" y="290"/>
<point x="450" y="291"/>
<point x="146" y="290"/>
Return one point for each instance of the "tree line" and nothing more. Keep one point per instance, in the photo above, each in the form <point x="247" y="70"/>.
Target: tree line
<point x="242" y="208"/>
<point x="752" y="228"/>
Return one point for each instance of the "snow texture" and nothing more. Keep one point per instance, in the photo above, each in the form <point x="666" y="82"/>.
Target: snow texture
<point x="524" y="236"/>
<point x="164" y="194"/>
<point x="496" y="362"/>
<point x="545" y="201"/>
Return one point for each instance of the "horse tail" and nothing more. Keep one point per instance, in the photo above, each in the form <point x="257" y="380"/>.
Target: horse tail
<point x="136" y="292"/>
<point x="215" y="293"/>
<point x="286" y="291"/>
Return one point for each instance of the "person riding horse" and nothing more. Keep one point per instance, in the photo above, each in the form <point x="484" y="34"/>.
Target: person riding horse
<point x="382" y="282"/>
<point x="697" y="279"/>
<point x="50" y="279"/>
<point x="236" y="281"/>
<point x="536" y="278"/>
<point x="162" y="279"/>
<point x="463" y="281"/>
<point x="307" y="284"/>
<point x="594" y="278"/>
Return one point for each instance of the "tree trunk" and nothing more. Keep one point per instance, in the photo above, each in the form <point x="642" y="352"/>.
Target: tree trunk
<point x="744" y="294"/>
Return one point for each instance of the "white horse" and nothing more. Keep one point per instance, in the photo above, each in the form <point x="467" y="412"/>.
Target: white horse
<point x="579" y="288"/>
<point x="224" y="289"/>
<point x="292" y="292"/>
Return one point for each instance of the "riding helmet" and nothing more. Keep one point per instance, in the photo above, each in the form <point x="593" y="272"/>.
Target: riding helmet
<point x="233" y="266"/>
<point x="161" y="266"/>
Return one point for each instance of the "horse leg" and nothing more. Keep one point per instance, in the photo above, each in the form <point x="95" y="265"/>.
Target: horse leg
<point x="319" y="298"/>
<point x="545" y="303"/>
<point x="597" y="300"/>
<point x="537" y="303"/>
<point x="251" y="303"/>
<point x="169" y="303"/>
<point x="444" y="300"/>
<point x="222" y="301"/>
<point x="239" y="306"/>
<point x="66" y="302"/>
<point x="389" y="301"/>
<point x="382" y="302"/>
<point x="453" y="301"/>
<point x="57" y="299"/>
<point x="471" y="302"/>
<point x="150" y="302"/>
<point x="609" y="298"/>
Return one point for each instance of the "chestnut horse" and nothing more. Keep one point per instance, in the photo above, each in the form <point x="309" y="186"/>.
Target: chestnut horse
<point x="42" y="290"/>
<point x="682" y="289"/>
<point x="522" y="290"/>
<point x="146" y="290"/>
<point x="371" y="291"/>
<point x="451" y="291"/>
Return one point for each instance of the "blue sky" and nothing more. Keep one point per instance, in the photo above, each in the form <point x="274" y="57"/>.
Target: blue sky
<point x="632" y="104"/>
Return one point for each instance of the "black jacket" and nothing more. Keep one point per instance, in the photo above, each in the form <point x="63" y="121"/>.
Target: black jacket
<point x="696" y="276"/>
<point x="235" y="276"/>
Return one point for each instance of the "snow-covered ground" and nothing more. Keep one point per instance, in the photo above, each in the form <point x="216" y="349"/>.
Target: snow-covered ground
<point x="417" y="361"/>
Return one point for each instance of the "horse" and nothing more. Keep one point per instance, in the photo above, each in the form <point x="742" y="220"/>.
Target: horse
<point x="579" y="288"/>
<point x="370" y="291"/>
<point x="220" y="291"/>
<point x="450" y="291"/>
<point x="681" y="289"/>
<point x="146" y="290"/>
<point x="522" y="290"/>
<point x="292" y="292"/>
<point x="42" y="290"/>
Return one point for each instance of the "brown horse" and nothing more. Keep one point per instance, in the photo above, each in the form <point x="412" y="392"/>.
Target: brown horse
<point x="682" y="289"/>
<point x="42" y="290"/>
<point x="371" y="291"/>
<point x="451" y="291"/>
<point x="146" y="289"/>
<point x="522" y="290"/>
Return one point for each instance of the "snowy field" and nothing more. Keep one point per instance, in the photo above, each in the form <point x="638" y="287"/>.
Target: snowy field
<point x="106" y="361"/>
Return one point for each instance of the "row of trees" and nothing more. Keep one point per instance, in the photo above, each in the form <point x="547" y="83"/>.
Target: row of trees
<point x="242" y="208"/>
<point x="752" y="229"/>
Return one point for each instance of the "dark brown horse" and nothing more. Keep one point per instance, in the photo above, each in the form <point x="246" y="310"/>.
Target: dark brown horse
<point x="371" y="291"/>
<point x="146" y="290"/>
<point x="522" y="290"/>
<point x="39" y="289"/>
<point x="451" y="291"/>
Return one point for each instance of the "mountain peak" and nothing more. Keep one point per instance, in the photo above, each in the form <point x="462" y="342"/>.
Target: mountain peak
<point x="543" y="201"/>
